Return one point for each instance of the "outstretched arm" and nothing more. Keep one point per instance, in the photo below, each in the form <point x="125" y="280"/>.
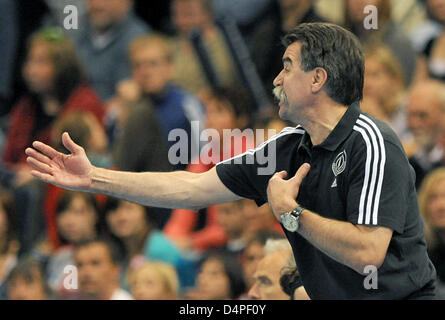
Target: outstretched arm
<point x="177" y="189"/>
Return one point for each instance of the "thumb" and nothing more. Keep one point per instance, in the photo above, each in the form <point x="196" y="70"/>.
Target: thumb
<point x="281" y="174"/>
<point x="70" y="144"/>
<point x="301" y="173"/>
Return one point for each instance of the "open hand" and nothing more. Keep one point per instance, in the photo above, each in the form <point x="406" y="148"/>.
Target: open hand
<point x="72" y="171"/>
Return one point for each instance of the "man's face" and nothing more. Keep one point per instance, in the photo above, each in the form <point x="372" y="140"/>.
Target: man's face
<point x="231" y="219"/>
<point x="424" y="115"/>
<point x="97" y="272"/>
<point x="267" y="277"/>
<point x="151" y="68"/>
<point x="252" y="255"/>
<point x="437" y="8"/>
<point x="104" y="14"/>
<point x="295" y="85"/>
<point x="189" y="15"/>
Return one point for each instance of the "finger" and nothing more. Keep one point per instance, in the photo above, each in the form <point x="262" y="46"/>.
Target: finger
<point x="70" y="144"/>
<point x="45" y="149"/>
<point x="39" y="165"/>
<point x="301" y="174"/>
<point x="30" y="152"/>
<point x="281" y="174"/>
<point x="42" y="176"/>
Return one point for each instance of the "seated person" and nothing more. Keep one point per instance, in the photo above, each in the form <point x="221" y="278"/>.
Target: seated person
<point x="267" y="275"/>
<point x="102" y="42"/>
<point x="134" y="227"/>
<point x="77" y="218"/>
<point x="154" y="281"/>
<point x="98" y="267"/>
<point x="154" y="96"/>
<point x="27" y="282"/>
<point x="227" y="109"/>
<point x="85" y="129"/>
<point x="220" y="278"/>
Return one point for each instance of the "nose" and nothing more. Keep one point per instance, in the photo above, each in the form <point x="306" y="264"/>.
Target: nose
<point x="253" y="292"/>
<point x="278" y="81"/>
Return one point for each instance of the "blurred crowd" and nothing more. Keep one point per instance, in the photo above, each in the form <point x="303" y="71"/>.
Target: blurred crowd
<point x="133" y="71"/>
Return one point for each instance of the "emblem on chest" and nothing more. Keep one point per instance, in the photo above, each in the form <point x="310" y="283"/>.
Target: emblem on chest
<point x="338" y="166"/>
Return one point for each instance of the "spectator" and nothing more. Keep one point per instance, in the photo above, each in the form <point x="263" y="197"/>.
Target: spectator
<point x="432" y="45"/>
<point x="9" y="245"/>
<point x="227" y="109"/>
<point x="97" y="263"/>
<point x="153" y="90"/>
<point x="135" y="227"/>
<point x="86" y="129"/>
<point x="265" y="48"/>
<point x="77" y="216"/>
<point x="27" y="282"/>
<point x="154" y="281"/>
<point x="253" y="253"/>
<point x="432" y="26"/>
<point x="220" y="278"/>
<point x="102" y="43"/>
<point x="387" y="32"/>
<point x="290" y="281"/>
<point x="383" y="71"/>
<point x="231" y="219"/>
<point x="432" y="208"/>
<point x="55" y="87"/>
<point x="425" y="107"/>
<point x="267" y="275"/>
<point x="192" y="17"/>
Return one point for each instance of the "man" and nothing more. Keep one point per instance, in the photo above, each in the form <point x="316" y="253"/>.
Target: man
<point x="353" y="209"/>
<point x="156" y="107"/>
<point x="268" y="273"/>
<point x="98" y="271"/>
<point x="426" y="104"/>
<point x="103" y="42"/>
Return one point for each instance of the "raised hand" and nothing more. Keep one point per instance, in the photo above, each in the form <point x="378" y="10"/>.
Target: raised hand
<point x="72" y="171"/>
<point x="282" y="194"/>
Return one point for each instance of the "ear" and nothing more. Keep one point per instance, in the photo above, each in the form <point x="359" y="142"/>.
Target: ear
<point x="319" y="79"/>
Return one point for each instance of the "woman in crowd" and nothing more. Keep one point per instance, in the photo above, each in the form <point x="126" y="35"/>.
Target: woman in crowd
<point x="432" y="208"/>
<point x="77" y="218"/>
<point x="220" y="278"/>
<point x="385" y="31"/>
<point x="154" y="281"/>
<point x="132" y="225"/>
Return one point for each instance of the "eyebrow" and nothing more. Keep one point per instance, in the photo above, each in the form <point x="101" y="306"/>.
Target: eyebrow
<point x="287" y="59"/>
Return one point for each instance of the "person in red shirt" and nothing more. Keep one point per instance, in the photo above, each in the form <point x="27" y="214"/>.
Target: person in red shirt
<point x="55" y="86"/>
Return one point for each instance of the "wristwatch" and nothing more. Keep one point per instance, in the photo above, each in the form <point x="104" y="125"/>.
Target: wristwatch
<point x="289" y="220"/>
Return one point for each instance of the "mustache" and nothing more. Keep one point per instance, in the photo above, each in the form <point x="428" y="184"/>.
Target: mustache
<point x="279" y="95"/>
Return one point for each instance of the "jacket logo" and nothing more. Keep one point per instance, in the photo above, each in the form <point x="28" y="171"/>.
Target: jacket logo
<point x="338" y="166"/>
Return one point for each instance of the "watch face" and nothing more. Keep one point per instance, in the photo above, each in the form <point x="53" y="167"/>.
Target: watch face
<point x="289" y="222"/>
